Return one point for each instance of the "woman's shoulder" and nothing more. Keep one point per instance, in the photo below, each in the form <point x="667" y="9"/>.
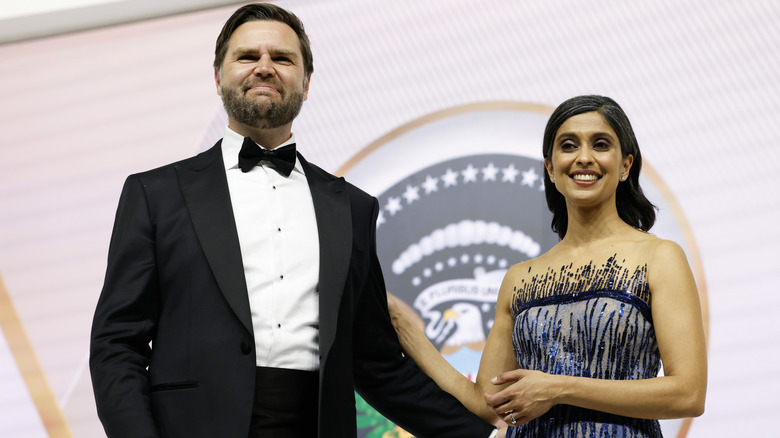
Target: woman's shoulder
<point x="518" y="270"/>
<point x="648" y="245"/>
<point x="658" y="256"/>
<point x="536" y="269"/>
<point x="637" y="249"/>
<point x="536" y="264"/>
<point x="656" y="248"/>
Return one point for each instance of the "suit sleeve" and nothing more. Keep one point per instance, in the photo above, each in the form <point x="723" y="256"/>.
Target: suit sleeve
<point x="125" y="321"/>
<point x="391" y="382"/>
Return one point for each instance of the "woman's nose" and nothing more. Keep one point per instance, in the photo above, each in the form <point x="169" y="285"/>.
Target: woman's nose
<point x="584" y="155"/>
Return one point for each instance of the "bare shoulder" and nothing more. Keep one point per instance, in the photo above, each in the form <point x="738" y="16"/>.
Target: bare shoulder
<point x="518" y="270"/>
<point x="530" y="267"/>
<point x="662" y="251"/>
<point x="513" y="276"/>
<point x="667" y="263"/>
<point x="518" y="274"/>
<point x="652" y="249"/>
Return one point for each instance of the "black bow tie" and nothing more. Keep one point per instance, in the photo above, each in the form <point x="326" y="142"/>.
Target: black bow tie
<point x="251" y="154"/>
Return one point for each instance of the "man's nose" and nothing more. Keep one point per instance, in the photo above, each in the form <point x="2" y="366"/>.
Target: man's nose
<point x="264" y="66"/>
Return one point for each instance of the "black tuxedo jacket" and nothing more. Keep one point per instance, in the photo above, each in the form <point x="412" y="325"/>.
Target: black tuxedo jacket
<point x="172" y="350"/>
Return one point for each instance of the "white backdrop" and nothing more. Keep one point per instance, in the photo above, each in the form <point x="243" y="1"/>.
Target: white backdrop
<point x="79" y="112"/>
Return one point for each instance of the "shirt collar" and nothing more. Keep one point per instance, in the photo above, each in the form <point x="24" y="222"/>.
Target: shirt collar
<point x="231" y="146"/>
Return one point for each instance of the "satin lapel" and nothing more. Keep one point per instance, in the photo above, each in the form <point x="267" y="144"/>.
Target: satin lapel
<point x="334" y="226"/>
<point x="204" y="185"/>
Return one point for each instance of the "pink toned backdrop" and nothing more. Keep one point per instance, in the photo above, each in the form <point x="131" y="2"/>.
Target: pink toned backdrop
<point x="80" y="112"/>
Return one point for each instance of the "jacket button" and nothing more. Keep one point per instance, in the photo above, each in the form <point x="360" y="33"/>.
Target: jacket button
<point x="246" y="348"/>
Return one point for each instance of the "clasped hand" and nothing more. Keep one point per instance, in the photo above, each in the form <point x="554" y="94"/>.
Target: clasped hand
<point x="530" y="394"/>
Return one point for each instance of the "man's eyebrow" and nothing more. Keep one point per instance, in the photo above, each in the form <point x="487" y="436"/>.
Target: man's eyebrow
<point x="275" y="52"/>
<point x="242" y="51"/>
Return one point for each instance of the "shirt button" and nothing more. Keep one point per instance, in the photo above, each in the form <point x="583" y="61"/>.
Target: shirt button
<point x="279" y="230"/>
<point x="281" y="277"/>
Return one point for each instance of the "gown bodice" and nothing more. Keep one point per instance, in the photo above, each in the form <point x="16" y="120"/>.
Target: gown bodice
<point x="592" y="321"/>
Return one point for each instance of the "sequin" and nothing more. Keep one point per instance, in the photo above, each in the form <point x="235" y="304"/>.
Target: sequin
<point x="592" y="321"/>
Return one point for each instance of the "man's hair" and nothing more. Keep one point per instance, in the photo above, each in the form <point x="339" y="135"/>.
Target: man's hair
<point x="263" y="12"/>
<point x="632" y="205"/>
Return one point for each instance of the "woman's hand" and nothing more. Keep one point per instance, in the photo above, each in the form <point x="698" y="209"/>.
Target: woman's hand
<point x="530" y="394"/>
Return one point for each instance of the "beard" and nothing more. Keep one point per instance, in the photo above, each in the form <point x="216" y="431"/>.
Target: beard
<point x="261" y="115"/>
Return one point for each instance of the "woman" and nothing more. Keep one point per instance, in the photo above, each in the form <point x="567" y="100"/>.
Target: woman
<point x="580" y="331"/>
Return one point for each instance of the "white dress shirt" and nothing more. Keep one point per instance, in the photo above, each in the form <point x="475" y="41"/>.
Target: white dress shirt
<point x="277" y="231"/>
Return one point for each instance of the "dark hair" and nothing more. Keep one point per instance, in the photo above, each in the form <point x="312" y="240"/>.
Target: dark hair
<point x="632" y="205"/>
<point x="263" y="12"/>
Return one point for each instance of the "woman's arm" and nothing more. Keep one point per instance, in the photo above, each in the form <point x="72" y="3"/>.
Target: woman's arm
<point x="680" y="333"/>
<point x="496" y="357"/>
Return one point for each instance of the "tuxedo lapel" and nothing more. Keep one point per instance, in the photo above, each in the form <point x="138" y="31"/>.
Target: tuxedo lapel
<point x="204" y="185"/>
<point x="334" y="226"/>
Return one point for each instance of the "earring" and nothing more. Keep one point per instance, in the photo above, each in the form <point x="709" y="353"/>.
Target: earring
<point x="552" y="179"/>
<point x="623" y="178"/>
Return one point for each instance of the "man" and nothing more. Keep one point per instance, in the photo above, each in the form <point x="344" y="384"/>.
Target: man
<point x="243" y="296"/>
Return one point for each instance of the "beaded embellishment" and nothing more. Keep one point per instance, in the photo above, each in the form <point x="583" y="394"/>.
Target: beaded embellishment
<point x="593" y="321"/>
<point x="589" y="278"/>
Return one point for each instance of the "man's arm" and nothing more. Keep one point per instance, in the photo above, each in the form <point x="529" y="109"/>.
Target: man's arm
<point x="391" y="382"/>
<point x="125" y="321"/>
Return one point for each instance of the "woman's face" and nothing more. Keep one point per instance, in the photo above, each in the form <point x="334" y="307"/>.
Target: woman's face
<point x="587" y="163"/>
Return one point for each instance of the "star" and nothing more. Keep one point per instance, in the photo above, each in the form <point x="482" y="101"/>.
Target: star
<point x="470" y="174"/>
<point x="464" y="258"/>
<point x="489" y="172"/>
<point x="450" y="178"/>
<point x="503" y="263"/>
<point x="529" y="177"/>
<point x="416" y="281"/>
<point x="491" y="259"/>
<point x="411" y="194"/>
<point x="427" y="272"/>
<point x="430" y="185"/>
<point x="452" y="262"/>
<point x="478" y="258"/>
<point x="393" y="205"/>
<point x="510" y="173"/>
<point x="438" y="266"/>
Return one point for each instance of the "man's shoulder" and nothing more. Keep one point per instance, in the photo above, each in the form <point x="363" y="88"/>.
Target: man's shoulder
<point x="324" y="175"/>
<point x="196" y="162"/>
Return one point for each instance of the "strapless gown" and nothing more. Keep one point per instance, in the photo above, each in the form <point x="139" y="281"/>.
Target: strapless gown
<point x="592" y="321"/>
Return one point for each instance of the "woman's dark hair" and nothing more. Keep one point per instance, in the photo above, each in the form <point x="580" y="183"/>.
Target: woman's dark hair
<point x="632" y="205"/>
<point x="263" y="12"/>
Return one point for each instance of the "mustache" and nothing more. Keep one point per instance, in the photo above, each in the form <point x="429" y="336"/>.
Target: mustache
<point x="251" y="83"/>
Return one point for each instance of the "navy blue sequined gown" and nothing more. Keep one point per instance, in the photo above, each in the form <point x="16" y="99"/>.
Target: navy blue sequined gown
<point x="594" y="322"/>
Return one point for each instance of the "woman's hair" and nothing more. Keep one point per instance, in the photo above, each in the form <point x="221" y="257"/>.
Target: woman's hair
<point x="632" y="205"/>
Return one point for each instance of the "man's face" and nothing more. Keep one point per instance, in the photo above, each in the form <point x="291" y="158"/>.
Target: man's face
<point x="262" y="81"/>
